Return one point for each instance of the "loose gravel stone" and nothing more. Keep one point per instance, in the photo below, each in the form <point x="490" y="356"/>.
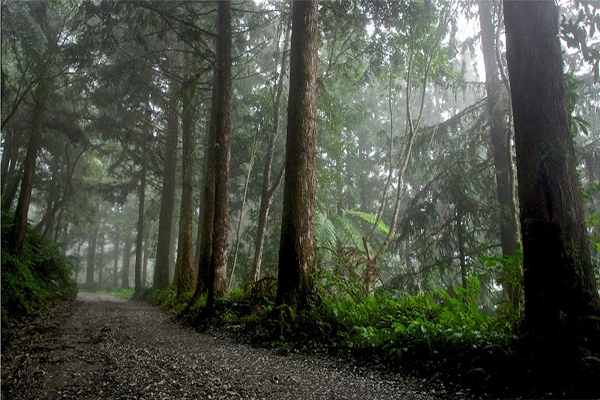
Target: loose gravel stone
<point x="102" y="347"/>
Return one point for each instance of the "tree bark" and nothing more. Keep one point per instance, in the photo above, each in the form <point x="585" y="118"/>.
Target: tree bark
<point x="145" y="262"/>
<point x="116" y="258"/>
<point x="101" y="259"/>
<point x="12" y="187"/>
<point x="163" y="249"/>
<point x="40" y="97"/>
<point x="198" y="242"/>
<point x="139" y="244"/>
<point x="17" y="237"/>
<point x="207" y="205"/>
<point x="91" y="257"/>
<point x="561" y="297"/>
<point x="9" y="156"/>
<point x="218" y="270"/>
<point x="126" y="261"/>
<point x="78" y="266"/>
<point x="297" y="246"/>
<point x="184" y="269"/>
<point x="52" y="199"/>
<point x="500" y="134"/>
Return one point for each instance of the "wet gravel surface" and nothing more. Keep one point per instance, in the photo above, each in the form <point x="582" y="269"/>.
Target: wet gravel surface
<point x="102" y="347"/>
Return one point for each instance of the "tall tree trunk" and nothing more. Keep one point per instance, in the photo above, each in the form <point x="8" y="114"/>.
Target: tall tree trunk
<point x="139" y="243"/>
<point x="500" y="134"/>
<point x="116" y="258"/>
<point x="173" y="253"/>
<point x="268" y="191"/>
<point x="58" y="228"/>
<point x="207" y="214"/>
<point x="163" y="249"/>
<point x="53" y="199"/>
<point x="91" y="257"/>
<point x="78" y="266"/>
<point x="184" y="270"/>
<point x="126" y="261"/>
<point x="101" y="259"/>
<point x="146" y="257"/>
<point x="218" y="270"/>
<point x="12" y="188"/>
<point x="17" y="236"/>
<point x="297" y="246"/>
<point x="9" y="156"/>
<point x="198" y="242"/>
<point x="48" y="218"/>
<point x="562" y="309"/>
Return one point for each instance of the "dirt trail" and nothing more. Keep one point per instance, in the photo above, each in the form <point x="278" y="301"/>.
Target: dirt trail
<point x="104" y="347"/>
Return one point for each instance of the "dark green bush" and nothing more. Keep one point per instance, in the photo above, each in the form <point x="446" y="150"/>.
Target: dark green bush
<point x="168" y="299"/>
<point x="397" y="324"/>
<point x="36" y="280"/>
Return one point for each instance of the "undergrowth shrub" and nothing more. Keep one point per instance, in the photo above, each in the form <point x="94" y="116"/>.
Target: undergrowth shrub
<point x="509" y="269"/>
<point x="36" y="280"/>
<point x="245" y="305"/>
<point x="168" y="299"/>
<point x="397" y="324"/>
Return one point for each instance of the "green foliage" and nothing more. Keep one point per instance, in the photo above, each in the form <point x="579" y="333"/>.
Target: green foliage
<point x="433" y="323"/>
<point x="38" y="279"/>
<point x="335" y="283"/>
<point x="369" y="218"/>
<point x="593" y="222"/>
<point x="325" y="234"/>
<point x="578" y="124"/>
<point x="168" y="299"/>
<point x="21" y="20"/>
<point x="510" y="272"/>
<point x="249" y="305"/>
<point x="333" y="230"/>
<point x="348" y="233"/>
<point x="578" y="31"/>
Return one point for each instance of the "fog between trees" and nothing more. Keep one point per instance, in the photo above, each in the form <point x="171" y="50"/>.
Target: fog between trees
<point x="149" y="139"/>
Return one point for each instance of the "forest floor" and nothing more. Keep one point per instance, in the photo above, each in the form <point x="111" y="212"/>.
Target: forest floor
<point x="102" y="347"/>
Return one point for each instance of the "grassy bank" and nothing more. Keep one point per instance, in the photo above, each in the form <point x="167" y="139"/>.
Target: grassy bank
<point x="35" y="281"/>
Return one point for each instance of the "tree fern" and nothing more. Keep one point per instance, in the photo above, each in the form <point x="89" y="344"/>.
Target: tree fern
<point x="32" y="36"/>
<point x="325" y="234"/>
<point x="349" y="234"/>
<point x="370" y="218"/>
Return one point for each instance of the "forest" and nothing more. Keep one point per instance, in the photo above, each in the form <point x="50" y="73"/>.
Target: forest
<point x="414" y="179"/>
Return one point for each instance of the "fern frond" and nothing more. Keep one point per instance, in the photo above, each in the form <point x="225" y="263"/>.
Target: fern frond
<point x="325" y="234"/>
<point x="351" y="234"/>
<point x="370" y="218"/>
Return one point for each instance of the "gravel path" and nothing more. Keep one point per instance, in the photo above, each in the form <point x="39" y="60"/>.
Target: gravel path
<point x="102" y="347"/>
